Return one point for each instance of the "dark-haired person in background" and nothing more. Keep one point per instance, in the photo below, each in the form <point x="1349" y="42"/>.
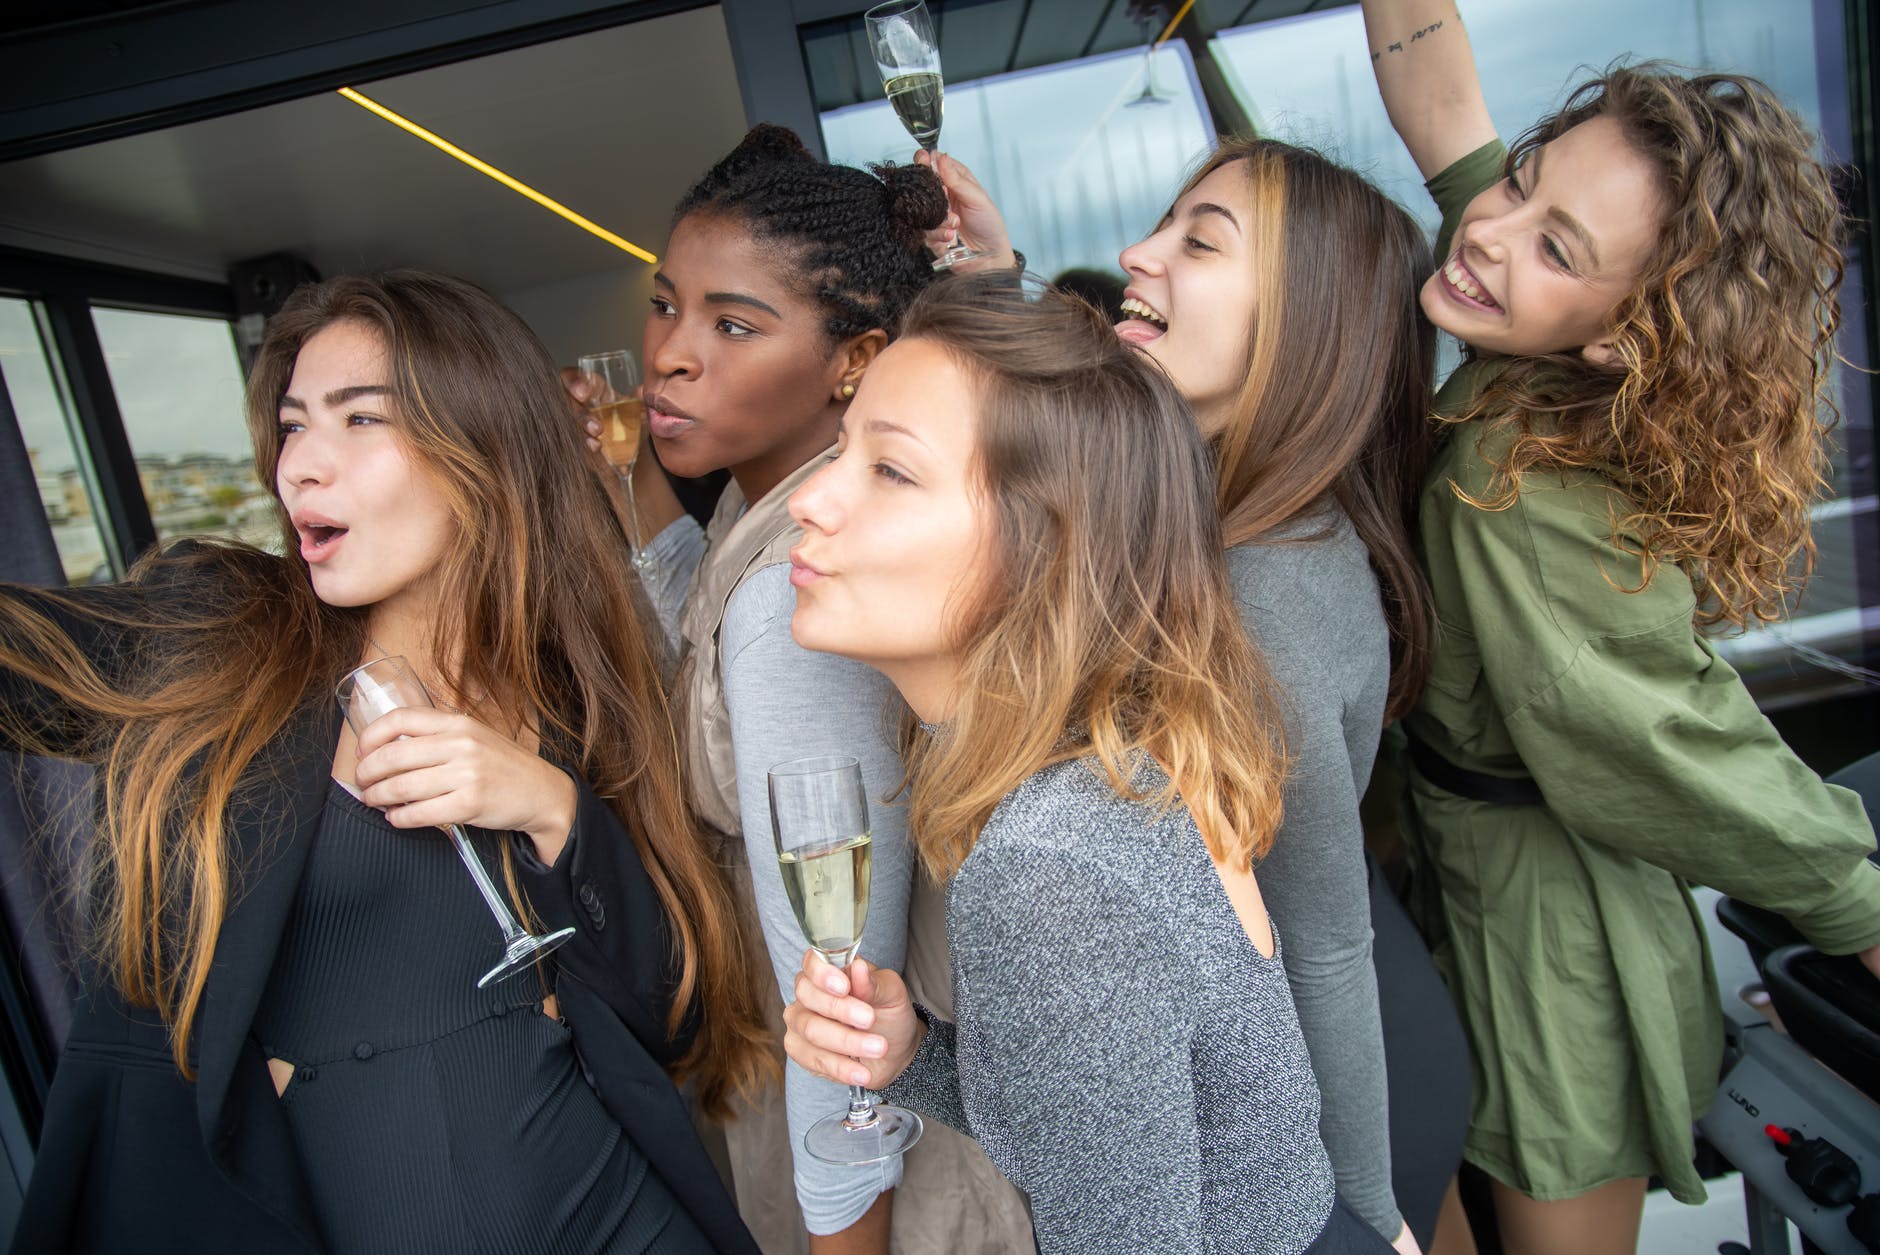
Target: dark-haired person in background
<point x="784" y="277"/>
<point x="1102" y="289"/>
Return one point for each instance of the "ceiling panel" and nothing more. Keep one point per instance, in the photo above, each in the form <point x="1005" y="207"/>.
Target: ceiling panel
<point x="614" y="124"/>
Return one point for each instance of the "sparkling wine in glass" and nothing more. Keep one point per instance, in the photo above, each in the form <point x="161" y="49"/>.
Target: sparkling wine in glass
<point x="613" y="380"/>
<point x="819" y="816"/>
<point x="900" y="34"/>
<point x="382" y="686"/>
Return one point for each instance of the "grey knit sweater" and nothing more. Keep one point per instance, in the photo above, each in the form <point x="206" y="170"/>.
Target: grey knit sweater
<point x="1122" y="1052"/>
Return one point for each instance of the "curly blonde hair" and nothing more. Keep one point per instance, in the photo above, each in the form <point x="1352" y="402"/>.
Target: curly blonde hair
<point x="1712" y="416"/>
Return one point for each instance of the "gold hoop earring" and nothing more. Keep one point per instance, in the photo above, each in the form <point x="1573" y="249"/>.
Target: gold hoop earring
<point x="848" y="391"/>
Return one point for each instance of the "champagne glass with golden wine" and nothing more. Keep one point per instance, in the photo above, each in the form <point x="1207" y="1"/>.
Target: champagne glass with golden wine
<point x="900" y="34"/>
<point x="819" y="816"/>
<point x="613" y="381"/>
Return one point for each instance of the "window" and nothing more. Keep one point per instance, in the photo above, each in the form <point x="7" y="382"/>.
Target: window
<point x="178" y="384"/>
<point x="67" y="488"/>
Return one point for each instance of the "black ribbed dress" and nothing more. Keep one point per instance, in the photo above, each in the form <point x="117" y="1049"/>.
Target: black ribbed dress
<point x="430" y="1115"/>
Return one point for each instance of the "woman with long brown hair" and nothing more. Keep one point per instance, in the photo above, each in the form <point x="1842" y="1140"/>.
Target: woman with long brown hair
<point x="1278" y="294"/>
<point x="1645" y="289"/>
<point x="283" y="1044"/>
<point x="1020" y="533"/>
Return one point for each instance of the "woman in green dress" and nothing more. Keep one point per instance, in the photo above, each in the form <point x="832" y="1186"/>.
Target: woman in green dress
<point x="1645" y="288"/>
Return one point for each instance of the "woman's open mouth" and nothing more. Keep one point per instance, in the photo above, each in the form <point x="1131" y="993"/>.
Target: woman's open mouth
<point x="319" y="541"/>
<point x="1143" y="322"/>
<point x="1460" y="283"/>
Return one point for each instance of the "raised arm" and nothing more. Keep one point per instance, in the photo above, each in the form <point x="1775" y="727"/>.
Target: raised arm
<point x="1426" y="73"/>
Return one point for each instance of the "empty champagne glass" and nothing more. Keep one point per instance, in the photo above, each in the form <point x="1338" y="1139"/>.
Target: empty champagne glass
<point x="382" y="686"/>
<point x="900" y="34"/>
<point x="613" y="380"/>
<point x="819" y="815"/>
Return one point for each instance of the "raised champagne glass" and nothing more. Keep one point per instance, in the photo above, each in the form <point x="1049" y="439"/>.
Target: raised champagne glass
<point x="819" y="816"/>
<point x="900" y="34"/>
<point x="382" y="686"/>
<point x="613" y="380"/>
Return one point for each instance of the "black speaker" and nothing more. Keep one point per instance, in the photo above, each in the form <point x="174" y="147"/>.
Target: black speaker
<point x="261" y="285"/>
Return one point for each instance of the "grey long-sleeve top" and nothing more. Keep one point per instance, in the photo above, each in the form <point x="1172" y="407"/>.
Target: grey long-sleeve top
<point x="1122" y="1051"/>
<point x="1309" y="599"/>
<point x="786" y="702"/>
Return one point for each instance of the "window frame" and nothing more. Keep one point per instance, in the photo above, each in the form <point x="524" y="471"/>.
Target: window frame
<point x="66" y="291"/>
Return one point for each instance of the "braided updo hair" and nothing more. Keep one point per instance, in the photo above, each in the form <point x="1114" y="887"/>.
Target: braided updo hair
<point x="858" y="236"/>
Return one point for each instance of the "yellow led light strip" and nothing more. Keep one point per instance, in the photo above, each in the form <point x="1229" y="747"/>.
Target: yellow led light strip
<point x="1174" y="22"/>
<point x="484" y="167"/>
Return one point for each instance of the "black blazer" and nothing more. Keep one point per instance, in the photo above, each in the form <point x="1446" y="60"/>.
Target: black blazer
<point x="134" y="1159"/>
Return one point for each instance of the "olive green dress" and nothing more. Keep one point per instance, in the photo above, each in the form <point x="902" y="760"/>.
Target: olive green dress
<point x="1567" y="931"/>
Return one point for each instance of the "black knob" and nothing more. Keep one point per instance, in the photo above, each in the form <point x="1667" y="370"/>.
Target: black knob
<point x="1824" y="1171"/>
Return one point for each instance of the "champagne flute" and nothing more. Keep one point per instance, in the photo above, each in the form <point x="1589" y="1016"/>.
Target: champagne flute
<point x="900" y="34"/>
<point x="382" y="686"/>
<point x="613" y="381"/>
<point x="819" y="815"/>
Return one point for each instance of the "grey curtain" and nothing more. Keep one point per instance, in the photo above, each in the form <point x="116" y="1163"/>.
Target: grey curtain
<point x="44" y="803"/>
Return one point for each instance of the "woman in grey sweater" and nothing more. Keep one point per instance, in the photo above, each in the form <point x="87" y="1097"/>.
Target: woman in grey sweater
<point x="1278" y="294"/>
<point x="1020" y="533"/>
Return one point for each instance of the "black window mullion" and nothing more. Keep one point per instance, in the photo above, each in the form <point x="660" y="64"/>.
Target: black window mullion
<point x="81" y="358"/>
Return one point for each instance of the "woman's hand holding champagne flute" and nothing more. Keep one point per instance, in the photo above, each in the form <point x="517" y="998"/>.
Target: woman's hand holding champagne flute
<point x="854" y="1025"/>
<point x="972" y="218"/>
<point x="907" y="53"/>
<point x="819" y="817"/>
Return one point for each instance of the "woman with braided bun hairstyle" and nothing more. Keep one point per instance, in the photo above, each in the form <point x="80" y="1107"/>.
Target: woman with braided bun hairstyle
<point x="784" y="277"/>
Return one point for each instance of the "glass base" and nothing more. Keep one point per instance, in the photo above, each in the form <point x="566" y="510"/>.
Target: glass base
<point x="888" y="1132"/>
<point x="955" y="254"/>
<point x="523" y="953"/>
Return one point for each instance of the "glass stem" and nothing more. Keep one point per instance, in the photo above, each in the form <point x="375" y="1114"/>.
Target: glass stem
<point x="512" y="931"/>
<point x="861" y="1109"/>
<point x="633" y="510"/>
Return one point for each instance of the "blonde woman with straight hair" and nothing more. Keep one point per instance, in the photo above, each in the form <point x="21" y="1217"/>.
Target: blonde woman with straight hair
<point x="1019" y="531"/>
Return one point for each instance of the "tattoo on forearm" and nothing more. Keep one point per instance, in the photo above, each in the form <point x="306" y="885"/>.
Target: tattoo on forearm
<point x="1398" y="46"/>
